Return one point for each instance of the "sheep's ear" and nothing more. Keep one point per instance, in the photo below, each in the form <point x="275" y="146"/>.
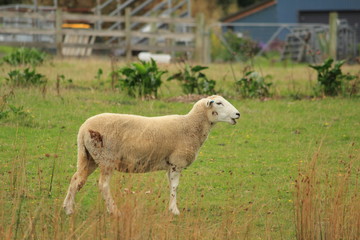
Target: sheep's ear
<point x="209" y="103"/>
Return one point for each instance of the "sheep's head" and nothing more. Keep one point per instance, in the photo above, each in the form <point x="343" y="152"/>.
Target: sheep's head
<point x="220" y="110"/>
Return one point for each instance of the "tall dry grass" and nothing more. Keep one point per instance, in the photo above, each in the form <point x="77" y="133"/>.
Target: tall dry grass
<point x="141" y="200"/>
<point x="327" y="203"/>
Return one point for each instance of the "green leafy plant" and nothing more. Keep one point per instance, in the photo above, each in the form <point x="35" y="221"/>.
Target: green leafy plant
<point x="142" y="79"/>
<point x="6" y="109"/>
<point x="253" y="85"/>
<point x="26" y="77"/>
<point x="194" y="81"/>
<point x="65" y="80"/>
<point x="25" y="56"/>
<point x="98" y="77"/>
<point x="330" y="78"/>
<point x="18" y="111"/>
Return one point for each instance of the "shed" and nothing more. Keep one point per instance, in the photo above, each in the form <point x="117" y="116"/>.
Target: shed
<point x="295" y="11"/>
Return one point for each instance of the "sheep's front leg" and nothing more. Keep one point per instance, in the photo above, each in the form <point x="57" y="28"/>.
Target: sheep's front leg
<point x="174" y="176"/>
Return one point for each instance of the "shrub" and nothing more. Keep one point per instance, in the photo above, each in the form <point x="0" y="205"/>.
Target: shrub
<point x="26" y="77"/>
<point x="253" y="85"/>
<point x="330" y="79"/>
<point x="194" y="81"/>
<point x="25" y="56"/>
<point x="142" y="79"/>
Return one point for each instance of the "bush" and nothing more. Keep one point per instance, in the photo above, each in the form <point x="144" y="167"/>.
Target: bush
<point x="194" y="81"/>
<point x="142" y="79"/>
<point x="330" y="79"/>
<point x="26" y="77"/>
<point x="253" y="85"/>
<point x="25" y="56"/>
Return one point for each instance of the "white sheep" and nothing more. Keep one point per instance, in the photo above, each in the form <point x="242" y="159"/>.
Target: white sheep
<point x="137" y="144"/>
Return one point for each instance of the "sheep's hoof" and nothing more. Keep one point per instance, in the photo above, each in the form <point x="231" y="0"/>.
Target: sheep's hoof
<point x="68" y="209"/>
<point x="115" y="214"/>
<point x="175" y="211"/>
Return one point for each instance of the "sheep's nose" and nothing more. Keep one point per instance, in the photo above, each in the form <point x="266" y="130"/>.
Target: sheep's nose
<point x="237" y="114"/>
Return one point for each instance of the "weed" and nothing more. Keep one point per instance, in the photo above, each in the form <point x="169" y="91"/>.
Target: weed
<point x="324" y="208"/>
<point x="25" y="56"/>
<point x="24" y="78"/>
<point x="253" y="85"/>
<point x="4" y="106"/>
<point x="194" y="81"/>
<point x="330" y="79"/>
<point x="98" y="77"/>
<point x="18" y="111"/>
<point x="142" y="79"/>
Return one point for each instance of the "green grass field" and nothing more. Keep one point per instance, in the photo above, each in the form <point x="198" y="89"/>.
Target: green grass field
<point x="244" y="185"/>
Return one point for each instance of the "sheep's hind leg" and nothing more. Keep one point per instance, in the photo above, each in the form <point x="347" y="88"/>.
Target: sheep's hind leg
<point x="174" y="177"/>
<point x="104" y="185"/>
<point x="86" y="166"/>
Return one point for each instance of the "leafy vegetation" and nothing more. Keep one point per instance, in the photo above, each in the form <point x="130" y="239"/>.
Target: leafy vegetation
<point x="253" y="85"/>
<point x="25" y="56"/>
<point x="7" y="109"/>
<point x="194" y="81"/>
<point x="331" y="79"/>
<point x="25" y="77"/>
<point x="141" y="79"/>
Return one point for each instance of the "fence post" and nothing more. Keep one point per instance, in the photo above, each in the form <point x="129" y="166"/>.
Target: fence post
<point x="333" y="17"/>
<point x="128" y="34"/>
<point x="58" y="31"/>
<point x="207" y="46"/>
<point x="153" y="30"/>
<point x="199" y="37"/>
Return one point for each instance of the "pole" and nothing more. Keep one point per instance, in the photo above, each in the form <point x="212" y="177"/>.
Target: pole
<point x="333" y="17"/>
<point x="128" y="34"/>
<point x="58" y="32"/>
<point x="199" y="37"/>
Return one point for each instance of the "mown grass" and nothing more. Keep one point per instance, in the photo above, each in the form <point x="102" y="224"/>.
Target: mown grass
<point x="244" y="184"/>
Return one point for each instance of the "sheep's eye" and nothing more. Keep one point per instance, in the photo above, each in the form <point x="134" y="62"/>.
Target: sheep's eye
<point x="219" y="103"/>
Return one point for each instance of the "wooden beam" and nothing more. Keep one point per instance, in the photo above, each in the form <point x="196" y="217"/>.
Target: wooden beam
<point x="128" y="33"/>
<point x="98" y="33"/>
<point x="143" y="19"/>
<point x="169" y="35"/>
<point x="140" y="47"/>
<point x="28" y="31"/>
<point x="333" y="17"/>
<point x="199" y="39"/>
<point x="92" y="18"/>
<point x="40" y="16"/>
<point x="58" y="29"/>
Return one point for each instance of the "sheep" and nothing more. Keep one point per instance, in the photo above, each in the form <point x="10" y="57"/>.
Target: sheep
<point x="137" y="144"/>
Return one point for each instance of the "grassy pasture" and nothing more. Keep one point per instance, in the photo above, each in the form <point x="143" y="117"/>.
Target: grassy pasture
<point x="282" y="172"/>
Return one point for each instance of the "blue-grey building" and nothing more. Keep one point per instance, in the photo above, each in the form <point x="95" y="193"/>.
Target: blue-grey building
<point x="294" y="11"/>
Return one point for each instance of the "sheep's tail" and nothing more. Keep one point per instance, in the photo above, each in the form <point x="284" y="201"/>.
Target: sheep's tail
<point x="84" y="157"/>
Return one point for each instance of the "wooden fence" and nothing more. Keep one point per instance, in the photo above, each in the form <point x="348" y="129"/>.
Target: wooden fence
<point x="129" y="38"/>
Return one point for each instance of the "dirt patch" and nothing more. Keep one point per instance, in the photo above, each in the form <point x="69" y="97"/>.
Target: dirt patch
<point x="96" y="136"/>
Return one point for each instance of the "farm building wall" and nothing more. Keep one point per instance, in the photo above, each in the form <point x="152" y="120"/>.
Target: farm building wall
<point x="288" y="10"/>
<point x="267" y="15"/>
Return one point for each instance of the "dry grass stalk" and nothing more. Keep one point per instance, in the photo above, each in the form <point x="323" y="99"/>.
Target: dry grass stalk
<point x="327" y="207"/>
